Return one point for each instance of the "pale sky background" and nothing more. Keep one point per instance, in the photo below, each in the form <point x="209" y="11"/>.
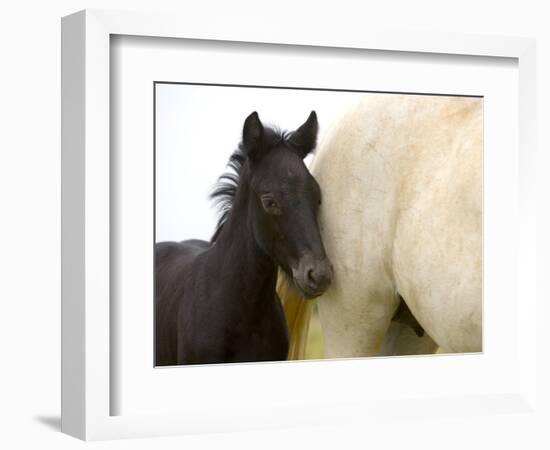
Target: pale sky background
<point x="199" y="127"/>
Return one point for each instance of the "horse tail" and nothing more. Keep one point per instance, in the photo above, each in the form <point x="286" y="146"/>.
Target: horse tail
<point x="298" y="316"/>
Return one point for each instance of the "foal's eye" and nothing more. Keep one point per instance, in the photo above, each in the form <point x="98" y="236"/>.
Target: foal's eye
<point x="270" y="204"/>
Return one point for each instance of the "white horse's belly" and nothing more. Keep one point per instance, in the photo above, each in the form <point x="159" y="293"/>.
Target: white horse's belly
<point x="401" y="339"/>
<point x="438" y="243"/>
<point x="401" y="184"/>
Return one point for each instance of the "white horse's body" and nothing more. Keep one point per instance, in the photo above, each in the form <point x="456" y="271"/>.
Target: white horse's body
<point x="402" y="215"/>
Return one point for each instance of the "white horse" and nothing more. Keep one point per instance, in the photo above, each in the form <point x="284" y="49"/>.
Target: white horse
<point x="401" y="179"/>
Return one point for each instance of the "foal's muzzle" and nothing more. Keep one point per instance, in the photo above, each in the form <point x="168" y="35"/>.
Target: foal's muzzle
<point x="313" y="276"/>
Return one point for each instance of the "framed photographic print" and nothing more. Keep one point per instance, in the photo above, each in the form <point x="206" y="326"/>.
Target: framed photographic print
<point x="257" y="222"/>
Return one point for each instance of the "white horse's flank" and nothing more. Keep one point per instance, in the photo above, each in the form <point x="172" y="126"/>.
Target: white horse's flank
<point x="402" y="215"/>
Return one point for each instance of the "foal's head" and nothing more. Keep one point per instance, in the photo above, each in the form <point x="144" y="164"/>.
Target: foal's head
<point x="283" y="200"/>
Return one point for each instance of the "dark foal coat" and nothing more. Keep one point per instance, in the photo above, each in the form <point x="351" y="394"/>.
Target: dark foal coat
<point x="216" y="301"/>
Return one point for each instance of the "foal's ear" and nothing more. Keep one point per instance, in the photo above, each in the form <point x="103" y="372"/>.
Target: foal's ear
<point x="305" y="137"/>
<point x="253" y="132"/>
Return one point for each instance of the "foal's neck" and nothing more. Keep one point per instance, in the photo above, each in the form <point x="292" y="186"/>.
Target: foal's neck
<point x="245" y="265"/>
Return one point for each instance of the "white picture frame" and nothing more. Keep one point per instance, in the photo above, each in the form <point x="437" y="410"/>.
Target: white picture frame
<point x="86" y="387"/>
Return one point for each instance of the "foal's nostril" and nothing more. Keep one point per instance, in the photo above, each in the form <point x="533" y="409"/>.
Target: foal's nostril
<point x="318" y="278"/>
<point x="310" y="276"/>
<point x="314" y="276"/>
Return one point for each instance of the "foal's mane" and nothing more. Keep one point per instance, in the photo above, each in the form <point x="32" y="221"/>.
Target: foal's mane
<point x="224" y="191"/>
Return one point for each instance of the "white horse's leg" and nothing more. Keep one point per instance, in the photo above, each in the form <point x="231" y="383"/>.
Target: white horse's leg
<point x="357" y="309"/>
<point x="355" y="317"/>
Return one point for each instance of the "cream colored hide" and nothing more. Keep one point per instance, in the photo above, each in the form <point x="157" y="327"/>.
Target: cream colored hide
<point x="402" y="213"/>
